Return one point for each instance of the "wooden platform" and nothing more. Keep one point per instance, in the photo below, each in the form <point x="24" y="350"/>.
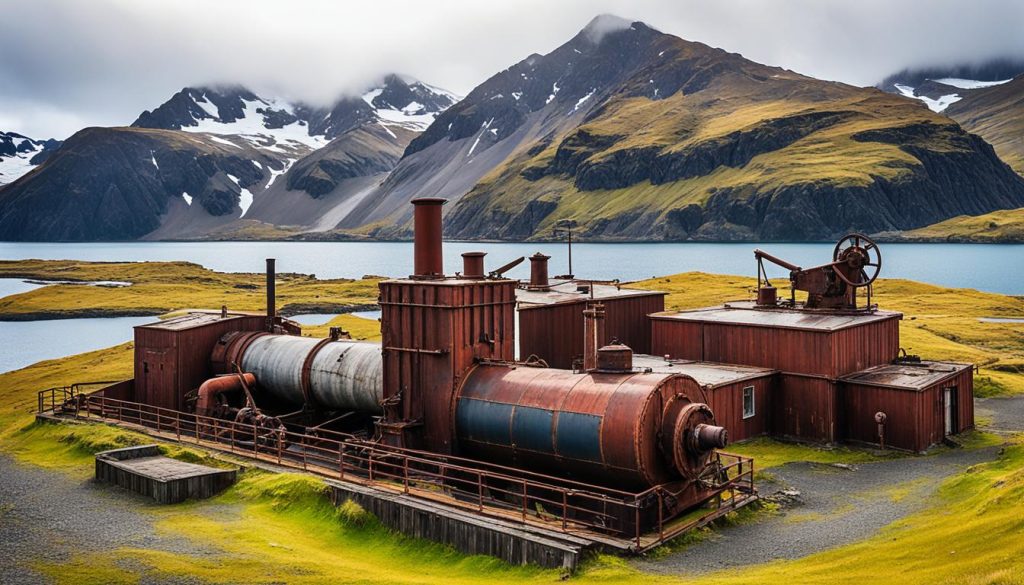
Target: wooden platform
<point x="168" y="481"/>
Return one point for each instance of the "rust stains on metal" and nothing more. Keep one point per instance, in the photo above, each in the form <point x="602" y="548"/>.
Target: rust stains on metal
<point x="473" y="264"/>
<point x="428" y="261"/>
<point x="856" y="262"/>
<point x="604" y="427"/>
<point x="561" y="310"/>
<point x="593" y="334"/>
<point x="615" y="357"/>
<point x="271" y="293"/>
<point x="539" y="272"/>
<point x="210" y="400"/>
<point x="172" y="357"/>
<point x="432" y="332"/>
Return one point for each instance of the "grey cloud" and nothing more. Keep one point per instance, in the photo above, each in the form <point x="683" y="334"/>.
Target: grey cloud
<point x="67" y="63"/>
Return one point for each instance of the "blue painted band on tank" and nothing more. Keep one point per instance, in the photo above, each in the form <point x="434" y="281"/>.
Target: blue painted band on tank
<point x="531" y="429"/>
<point x="579" y="436"/>
<point x="480" y="420"/>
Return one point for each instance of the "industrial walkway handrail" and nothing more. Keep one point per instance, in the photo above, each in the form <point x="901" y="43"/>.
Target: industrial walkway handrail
<point x="573" y="506"/>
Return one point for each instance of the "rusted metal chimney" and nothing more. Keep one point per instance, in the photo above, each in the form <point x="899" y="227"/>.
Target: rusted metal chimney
<point x="593" y="334"/>
<point x="473" y="264"/>
<point x="539" y="272"/>
<point x="428" y="262"/>
<point x="271" y="293"/>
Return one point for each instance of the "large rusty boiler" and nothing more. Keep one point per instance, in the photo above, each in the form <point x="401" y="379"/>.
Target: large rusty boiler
<point x="329" y="374"/>
<point x="610" y="426"/>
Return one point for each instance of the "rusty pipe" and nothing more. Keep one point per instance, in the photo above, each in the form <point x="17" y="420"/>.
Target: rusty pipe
<point x="271" y="293"/>
<point x="710" y="437"/>
<point x="210" y="389"/>
<point x="593" y="332"/>
<point x="428" y="261"/>
<point x="761" y="254"/>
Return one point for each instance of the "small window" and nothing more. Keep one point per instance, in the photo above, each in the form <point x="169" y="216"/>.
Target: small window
<point x="748" y="402"/>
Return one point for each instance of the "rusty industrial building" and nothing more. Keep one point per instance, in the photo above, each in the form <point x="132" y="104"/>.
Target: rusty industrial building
<point x="600" y="424"/>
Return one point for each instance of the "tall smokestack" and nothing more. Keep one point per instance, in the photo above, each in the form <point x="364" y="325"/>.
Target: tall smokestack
<point x="539" y="271"/>
<point x="428" y="262"/>
<point x="473" y="264"/>
<point x="271" y="293"/>
<point x="593" y="334"/>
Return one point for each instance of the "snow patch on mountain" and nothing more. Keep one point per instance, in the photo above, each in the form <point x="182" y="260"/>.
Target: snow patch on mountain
<point x="970" y="83"/>
<point x="253" y="126"/>
<point x="935" y="105"/>
<point x="16" y="154"/>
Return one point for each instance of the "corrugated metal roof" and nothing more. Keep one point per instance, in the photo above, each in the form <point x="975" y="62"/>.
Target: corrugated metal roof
<point x="706" y="373"/>
<point x="567" y="291"/>
<point x="747" y="313"/>
<point x="914" y="376"/>
<point x="191" y="320"/>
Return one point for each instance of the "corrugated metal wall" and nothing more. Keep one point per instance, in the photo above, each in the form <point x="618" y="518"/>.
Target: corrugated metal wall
<point x="727" y="403"/>
<point x="915" y="419"/>
<point x="432" y="332"/>
<point x="805" y="408"/>
<point x="823" y="353"/>
<point x="555" y="332"/>
<point x="170" y="363"/>
<point x="859" y="348"/>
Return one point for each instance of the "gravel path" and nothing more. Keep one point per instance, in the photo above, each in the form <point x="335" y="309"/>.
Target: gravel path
<point x="47" y="516"/>
<point x="836" y="506"/>
<point x="1005" y="415"/>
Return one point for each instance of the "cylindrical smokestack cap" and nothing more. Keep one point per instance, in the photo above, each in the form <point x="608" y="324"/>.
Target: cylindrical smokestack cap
<point x="539" y="271"/>
<point x="473" y="264"/>
<point x="428" y="261"/>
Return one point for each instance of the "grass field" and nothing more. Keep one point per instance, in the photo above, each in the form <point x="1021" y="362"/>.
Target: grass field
<point x="162" y="287"/>
<point x="1003" y="226"/>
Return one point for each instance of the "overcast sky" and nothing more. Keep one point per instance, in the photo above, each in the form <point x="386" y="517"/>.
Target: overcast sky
<point x="69" y="64"/>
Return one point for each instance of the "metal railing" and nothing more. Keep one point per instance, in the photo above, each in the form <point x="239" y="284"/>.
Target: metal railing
<point x="646" y="518"/>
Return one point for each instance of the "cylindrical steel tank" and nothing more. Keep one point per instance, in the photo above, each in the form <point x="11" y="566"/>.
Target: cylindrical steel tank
<point x="332" y="374"/>
<point x="633" y="430"/>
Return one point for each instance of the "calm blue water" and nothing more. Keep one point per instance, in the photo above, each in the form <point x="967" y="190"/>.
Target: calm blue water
<point x="994" y="268"/>
<point x="28" y="342"/>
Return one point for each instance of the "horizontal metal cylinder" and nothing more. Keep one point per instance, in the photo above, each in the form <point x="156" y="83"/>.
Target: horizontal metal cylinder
<point x="617" y="429"/>
<point x="335" y="375"/>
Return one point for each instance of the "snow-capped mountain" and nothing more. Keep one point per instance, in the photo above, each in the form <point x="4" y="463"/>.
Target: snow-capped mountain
<point x="290" y="128"/>
<point x="939" y="87"/>
<point x="20" y="154"/>
<point x="217" y="160"/>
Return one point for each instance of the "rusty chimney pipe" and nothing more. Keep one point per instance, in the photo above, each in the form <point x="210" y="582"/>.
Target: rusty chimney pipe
<point x="427" y="259"/>
<point x="473" y="264"/>
<point x="539" y="271"/>
<point x="593" y="334"/>
<point x="271" y="293"/>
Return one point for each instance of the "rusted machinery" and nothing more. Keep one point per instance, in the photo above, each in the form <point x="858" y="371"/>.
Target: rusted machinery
<point x="856" y="262"/>
<point x="444" y="380"/>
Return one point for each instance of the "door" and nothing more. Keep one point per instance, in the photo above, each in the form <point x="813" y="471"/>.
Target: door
<point x="949" y="410"/>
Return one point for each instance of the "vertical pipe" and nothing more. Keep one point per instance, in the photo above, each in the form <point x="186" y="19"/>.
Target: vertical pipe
<point x="539" y="271"/>
<point x="271" y="293"/>
<point x="473" y="264"/>
<point x="428" y="261"/>
<point x="593" y="334"/>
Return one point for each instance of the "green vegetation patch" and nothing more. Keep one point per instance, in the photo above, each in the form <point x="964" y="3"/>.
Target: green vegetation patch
<point x="162" y="287"/>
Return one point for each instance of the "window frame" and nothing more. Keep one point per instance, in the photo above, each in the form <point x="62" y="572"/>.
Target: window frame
<point x="753" y="402"/>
